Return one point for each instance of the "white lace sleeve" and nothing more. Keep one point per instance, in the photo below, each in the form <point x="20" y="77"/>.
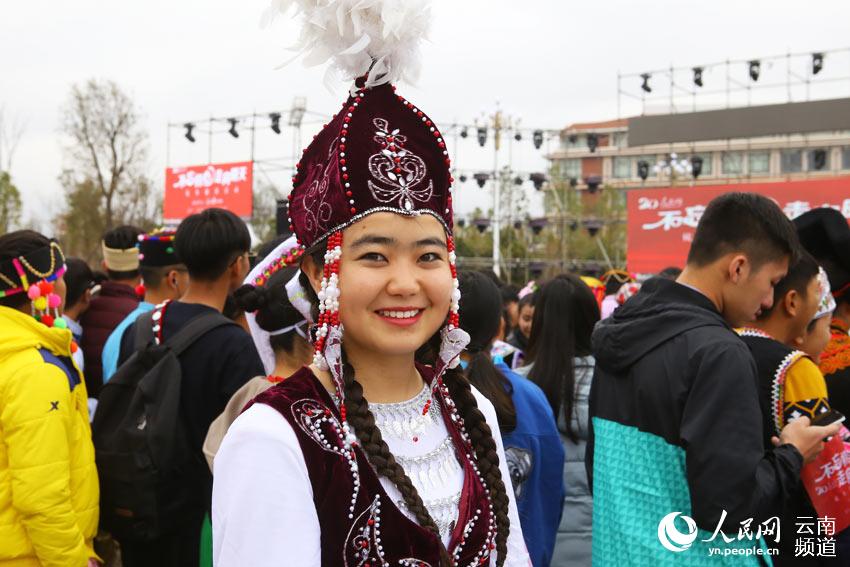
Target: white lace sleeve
<point x="517" y="552"/>
<point x="263" y="513"/>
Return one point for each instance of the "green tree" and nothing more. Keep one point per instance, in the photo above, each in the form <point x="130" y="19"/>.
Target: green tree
<point x="106" y="183"/>
<point x="10" y="204"/>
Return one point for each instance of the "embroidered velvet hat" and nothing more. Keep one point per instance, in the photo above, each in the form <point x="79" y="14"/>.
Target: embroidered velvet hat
<point x="379" y="153"/>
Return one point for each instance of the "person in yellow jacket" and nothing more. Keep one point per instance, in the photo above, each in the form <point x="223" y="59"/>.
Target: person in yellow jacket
<point x="48" y="480"/>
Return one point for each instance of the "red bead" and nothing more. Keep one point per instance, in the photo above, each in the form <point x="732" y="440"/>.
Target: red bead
<point x="358" y="99"/>
<point x="353" y="211"/>
<point x="371" y="522"/>
<point x="390" y="138"/>
<point x="347" y="119"/>
<point x="342" y="147"/>
<point x="349" y="193"/>
<point x="350" y="109"/>
<point x="342" y="161"/>
<point x="398" y="170"/>
<point x="428" y="123"/>
<point x="420" y="113"/>
<point x="442" y="144"/>
<point x="436" y="133"/>
<point x="448" y="161"/>
<point x="344" y="132"/>
<point x="345" y="176"/>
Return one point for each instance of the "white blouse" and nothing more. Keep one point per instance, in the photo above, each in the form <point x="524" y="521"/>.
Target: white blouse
<point x="263" y="510"/>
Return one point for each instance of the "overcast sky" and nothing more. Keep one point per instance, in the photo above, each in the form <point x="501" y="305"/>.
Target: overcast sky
<point x="549" y="63"/>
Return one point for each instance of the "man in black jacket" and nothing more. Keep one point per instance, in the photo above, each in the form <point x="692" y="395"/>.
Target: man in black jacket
<point x="676" y="421"/>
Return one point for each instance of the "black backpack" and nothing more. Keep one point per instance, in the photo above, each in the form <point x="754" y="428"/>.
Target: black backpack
<point x="148" y="472"/>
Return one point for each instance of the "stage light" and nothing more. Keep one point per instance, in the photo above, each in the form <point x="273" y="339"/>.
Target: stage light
<point x="481" y="178"/>
<point x="643" y="169"/>
<point x="537" y="138"/>
<point x="755" y="69"/>
<point x="461" y="222"/>
<point x="463" y="178"/>
<point x="573" y="182"/>
<point x="817" y="63"/>
<point x="189" y="127"/>
<point x="538" y="179"/>
<point x="232" y="131"/>
<point x="593" y="182"/>
<point x="645" y="85"/>
<point x="464" y="133"/>
<point x="593" y="226"/>
<point x="572" y="138"/>
<point x="481" y="224"/>
<point x="698" y="76"/>
<point x="518" y="137"/>
<point x="517" y="224"/>
<point x="275" y="118"/>
<point x="537" y="225"/>
<point x="517" y="180"/>
<point x="592" y="142"/>
<point x="696" y="166"/>
<point x="482" y="135"/>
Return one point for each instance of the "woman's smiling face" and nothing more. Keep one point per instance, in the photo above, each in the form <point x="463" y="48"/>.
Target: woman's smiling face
<point x="395" y="283"/>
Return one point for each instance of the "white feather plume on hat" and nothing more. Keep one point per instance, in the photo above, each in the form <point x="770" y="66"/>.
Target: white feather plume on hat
<point x="376" y="37"/>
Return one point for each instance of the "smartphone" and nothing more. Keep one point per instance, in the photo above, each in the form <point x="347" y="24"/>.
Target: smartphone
<point x="828" y="418"/>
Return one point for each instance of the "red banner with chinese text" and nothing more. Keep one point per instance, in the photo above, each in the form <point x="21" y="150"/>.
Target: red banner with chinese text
<point x="661" y="222"/>
<point x="189" y="190"/>
<point x="827" y="480"/>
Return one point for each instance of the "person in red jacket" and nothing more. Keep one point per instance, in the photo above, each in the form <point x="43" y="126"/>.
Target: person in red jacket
<point x="117" y="298"/>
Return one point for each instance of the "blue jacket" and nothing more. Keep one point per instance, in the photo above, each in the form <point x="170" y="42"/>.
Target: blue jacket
<point x="113" y="344"/>
<point x="535" y="458"/>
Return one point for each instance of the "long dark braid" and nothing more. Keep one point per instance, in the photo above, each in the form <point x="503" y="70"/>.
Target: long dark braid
<point x="486" y="456"/>
<point x="379" y="455"/>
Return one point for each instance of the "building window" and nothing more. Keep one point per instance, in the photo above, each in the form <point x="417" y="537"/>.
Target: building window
<point x="706" y="163"/>
<point x="791" y="161"/>
<point x="620" y="139"/>
<point x="818" y="159"/>
<point x="732" y="163"/>
<point x="571" y="168"/>
<point x="759" y="162"/>
<point x="845" y="158"/>
<point x="624" y="168"/>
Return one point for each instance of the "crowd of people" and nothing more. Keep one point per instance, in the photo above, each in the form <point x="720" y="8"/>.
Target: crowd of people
<point x="347" y="394"/>
<point x="136" y="414"/>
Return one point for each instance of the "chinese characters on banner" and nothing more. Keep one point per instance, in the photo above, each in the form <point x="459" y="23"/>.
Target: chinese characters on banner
<point x="827" y="481"/>
<point x="189" y="190"/>
<point x="661" y="222"/>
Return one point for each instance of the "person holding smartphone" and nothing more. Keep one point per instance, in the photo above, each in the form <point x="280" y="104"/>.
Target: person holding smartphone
<point x="790" y="384"/>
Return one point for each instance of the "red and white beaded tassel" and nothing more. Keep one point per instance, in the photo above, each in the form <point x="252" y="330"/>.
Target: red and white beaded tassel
<point x="329" y="312"/>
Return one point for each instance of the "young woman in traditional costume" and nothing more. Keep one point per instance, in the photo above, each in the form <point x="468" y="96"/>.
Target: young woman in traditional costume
<point x="380" y="452"/>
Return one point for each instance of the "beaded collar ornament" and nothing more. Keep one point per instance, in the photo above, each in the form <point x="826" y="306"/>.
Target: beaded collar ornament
<point x="43" y="267"/>
<point x="379" y="153"/>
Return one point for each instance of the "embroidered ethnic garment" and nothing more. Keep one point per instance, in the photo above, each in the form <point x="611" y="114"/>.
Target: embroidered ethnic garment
<point x="374" y="531"/>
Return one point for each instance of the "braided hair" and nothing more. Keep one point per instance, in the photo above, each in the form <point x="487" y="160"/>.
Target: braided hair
<point x="379" y="455"/>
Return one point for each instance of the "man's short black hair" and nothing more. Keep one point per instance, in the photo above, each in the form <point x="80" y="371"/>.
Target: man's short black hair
<point x="210" y="241"/>
<point x="154" y="275"/>
<point x="121" y="238"/>
<point x="78" y="278"/>
<point x="799" y="276"/>
<point x="744" y="222"/>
